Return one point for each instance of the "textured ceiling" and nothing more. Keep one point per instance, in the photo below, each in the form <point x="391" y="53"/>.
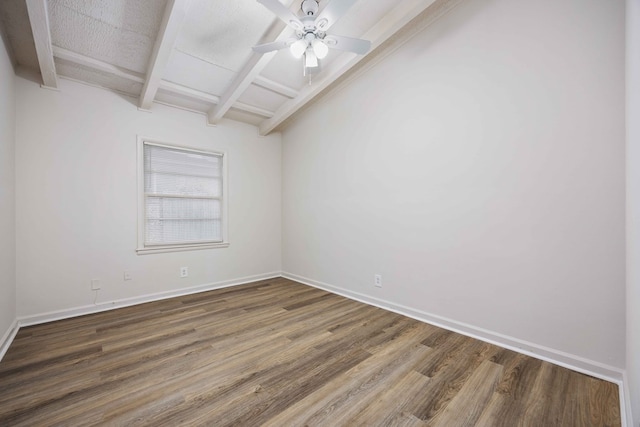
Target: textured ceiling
<point x="219" y="31"/>
<point x="118" y="32"/>
<point x="194" y="54"/>
<point x="190" y="71"/>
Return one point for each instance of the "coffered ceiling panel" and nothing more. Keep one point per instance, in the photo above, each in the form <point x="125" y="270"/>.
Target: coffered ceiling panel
<point x="182" y="101"/>
<point x="137" y="16"/>
<point x="197" y="54"/>
<point x="120" y="32"/>
<point x="245" y="117"/>
<point x="193" y="72"/>
<point x="219" y="31"/>
<point x="285" y="69"/>
<point x="98" y="78"/>
<point x="263" y="98"/>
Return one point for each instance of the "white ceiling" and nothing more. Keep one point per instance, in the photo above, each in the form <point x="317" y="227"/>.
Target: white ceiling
<point x="193" y="54"/>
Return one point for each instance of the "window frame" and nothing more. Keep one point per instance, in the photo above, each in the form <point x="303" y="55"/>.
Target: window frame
<point x="142" y="214"/>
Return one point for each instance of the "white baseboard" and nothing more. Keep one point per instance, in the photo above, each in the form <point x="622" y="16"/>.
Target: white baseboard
<point x="112" y="305"/>
<point x="8" y="337"/>
<point x="557" y="357"/>
<point x="567" y="360"/>
<point x="573" y="362"/>
<point x="625" y="402"/>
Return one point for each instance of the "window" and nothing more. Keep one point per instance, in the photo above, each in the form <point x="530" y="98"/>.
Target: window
<point x="182" y="195"/>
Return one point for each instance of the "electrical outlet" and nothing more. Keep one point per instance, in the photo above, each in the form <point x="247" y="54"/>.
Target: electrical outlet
<point x="184" y="271"/>
<point x="95" y="285"/>
<point x="127" y="275"/>
<point x="377" y="280"/>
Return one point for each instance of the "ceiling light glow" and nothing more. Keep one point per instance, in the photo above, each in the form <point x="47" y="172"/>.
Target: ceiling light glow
<point x="319" y="48"/>
<point x="298" y="48"/>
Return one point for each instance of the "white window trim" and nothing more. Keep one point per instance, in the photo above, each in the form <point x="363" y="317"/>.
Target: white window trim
<point x="141" y="249"/>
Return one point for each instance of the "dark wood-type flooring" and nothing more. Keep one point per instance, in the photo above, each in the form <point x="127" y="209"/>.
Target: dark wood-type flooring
<point x="280" y="353"/>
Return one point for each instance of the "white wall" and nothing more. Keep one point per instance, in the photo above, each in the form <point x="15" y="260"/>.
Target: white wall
<point x="7" y="194"/>
<point x="480" y="170"/>
<point x="76" y="199"/>
<point x="633" y="206"/>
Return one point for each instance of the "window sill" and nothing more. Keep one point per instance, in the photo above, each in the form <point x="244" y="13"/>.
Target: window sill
<point x="180" y="248"/>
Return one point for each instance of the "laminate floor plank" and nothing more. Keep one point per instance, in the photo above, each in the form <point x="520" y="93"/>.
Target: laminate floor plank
<point x="512" y="393"/>
<point x="354" y="383"/>
<point x="347" y="409"/>
<point x="387" y="409"/>
<point x="279" y="353"/>
<point x="240" y="376"/>
<point x="225" y="364"/>
<point x="448" y="378"/>
<point x="469" y="401"/>
<point x="603" y="405"/>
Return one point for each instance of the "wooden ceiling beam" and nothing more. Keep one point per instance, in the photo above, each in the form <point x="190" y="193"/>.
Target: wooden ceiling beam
<point x="173" y="88"/>
<point x="95" y="64"/>
<point x="39" y="19"/>
<point x="174" y="16"/>
<point x="245" y="77"/>
<point x="188" y="92"/>
<point x="253" y="109"/>
<point x="251" y="70"/>
<point x="275" y="87"/>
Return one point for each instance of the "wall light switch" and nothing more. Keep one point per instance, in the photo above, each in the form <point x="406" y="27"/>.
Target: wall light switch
<point x="95" y="285"/>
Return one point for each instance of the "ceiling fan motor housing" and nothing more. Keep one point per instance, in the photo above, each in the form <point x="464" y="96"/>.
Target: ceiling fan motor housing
<point x="310" y="10"/>
<point x="309" y="7"/>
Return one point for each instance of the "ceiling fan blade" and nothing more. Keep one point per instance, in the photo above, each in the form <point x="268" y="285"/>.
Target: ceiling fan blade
<point x="332" y="12"/>
<point x="269" y="47"/>
<point x="349" y="44"/>
<point x="283" y="13"/>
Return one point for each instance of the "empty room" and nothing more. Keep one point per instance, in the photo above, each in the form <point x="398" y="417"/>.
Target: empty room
<point x="320" y="213"/>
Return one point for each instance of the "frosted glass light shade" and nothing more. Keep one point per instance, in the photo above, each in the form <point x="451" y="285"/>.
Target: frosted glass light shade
<point x="320" y="49"/>
<point x="298" y="47"/>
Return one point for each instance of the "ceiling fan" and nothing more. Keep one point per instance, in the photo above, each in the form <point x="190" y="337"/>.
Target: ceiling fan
<point x="311" y="39"/>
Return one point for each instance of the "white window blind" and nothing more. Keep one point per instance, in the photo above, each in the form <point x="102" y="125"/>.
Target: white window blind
<point x="182" y="196"/>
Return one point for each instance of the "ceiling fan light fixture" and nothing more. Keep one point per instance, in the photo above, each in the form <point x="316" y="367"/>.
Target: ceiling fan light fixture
<point x="298" y="48"/>
<point x="312" y="40"/>
<point x="319" y="48"/>
<point x="310" y="59"/>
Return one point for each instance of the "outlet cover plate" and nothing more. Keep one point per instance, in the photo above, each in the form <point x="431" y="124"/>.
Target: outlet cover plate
<point x="377" y="280"/>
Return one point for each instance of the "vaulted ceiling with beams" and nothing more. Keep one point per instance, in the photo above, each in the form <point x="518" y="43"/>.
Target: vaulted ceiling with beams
<point x="197" y="54"/>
